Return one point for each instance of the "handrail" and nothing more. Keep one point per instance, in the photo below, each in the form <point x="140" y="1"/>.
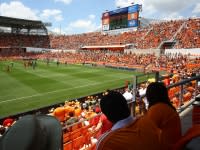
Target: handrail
<point x="181" y="83"/>
<point x="184" y="81"/>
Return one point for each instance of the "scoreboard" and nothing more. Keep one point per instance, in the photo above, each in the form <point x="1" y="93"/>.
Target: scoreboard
<point x="121" y="18"/>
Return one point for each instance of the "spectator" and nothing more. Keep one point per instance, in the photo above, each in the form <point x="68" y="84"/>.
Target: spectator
<point x="163" y="114"/>
<point x="73" y="119"/>
<point x="8" y="122"/>
<point x="31" y="132"/>
<point x="103" y="126"/>
<point x="127" y="132"/>
<point x="59" y="113"/>
<point x="128" y="95"/>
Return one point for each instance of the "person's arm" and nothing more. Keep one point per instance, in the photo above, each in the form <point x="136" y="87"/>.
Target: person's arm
<point x="99" y="125"/>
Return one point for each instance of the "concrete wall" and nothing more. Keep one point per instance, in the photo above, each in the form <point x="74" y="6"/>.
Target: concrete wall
<point x="192" y="51"/>
<point x="143" y="51"/>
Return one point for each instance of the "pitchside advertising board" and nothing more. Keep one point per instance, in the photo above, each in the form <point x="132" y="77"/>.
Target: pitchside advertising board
<point x="121" y="18"/>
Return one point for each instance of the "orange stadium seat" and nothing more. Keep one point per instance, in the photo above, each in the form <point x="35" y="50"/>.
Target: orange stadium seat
<point x="66" y="137"/>
<point x="76" y="133"/>
<point x="68" y="146"/>
<point x="78" y="143"/>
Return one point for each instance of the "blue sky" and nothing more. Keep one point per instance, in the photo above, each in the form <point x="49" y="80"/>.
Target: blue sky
<point x="80" y="16"/>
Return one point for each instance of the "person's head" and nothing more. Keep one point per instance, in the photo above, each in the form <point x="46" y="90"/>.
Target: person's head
<point x="33" y="132"/>
<point x="114" y="106"/>
<point x="71" y="114"/>
<point x="157" y="93"/>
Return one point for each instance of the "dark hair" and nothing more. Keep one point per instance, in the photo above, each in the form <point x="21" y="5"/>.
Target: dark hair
<point x="71" y="113"/>
<point x="157" y="93"/>
<point x="114" y="106"/>
<point x="2" y="130"/>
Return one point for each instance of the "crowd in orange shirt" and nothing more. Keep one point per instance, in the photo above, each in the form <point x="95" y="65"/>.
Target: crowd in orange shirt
<point x="144" y="38"/>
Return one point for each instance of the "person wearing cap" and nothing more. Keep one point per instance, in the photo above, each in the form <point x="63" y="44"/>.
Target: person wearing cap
<point x="33" y="132"/>
<point x="127" y="132"/>
<point x="8" y="122"/>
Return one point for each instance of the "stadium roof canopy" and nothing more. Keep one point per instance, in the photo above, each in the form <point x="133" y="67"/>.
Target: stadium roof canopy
<point x="104" y="46"/>
<point x="20" y="23"/>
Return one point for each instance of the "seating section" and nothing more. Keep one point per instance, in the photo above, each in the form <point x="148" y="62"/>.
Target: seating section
<point x="185" y="32"/>
<point x="15" y="40"/>
<point x="80" y="138"/>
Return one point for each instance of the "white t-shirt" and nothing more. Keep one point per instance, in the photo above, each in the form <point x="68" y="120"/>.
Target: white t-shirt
<point x="128" y="96"/>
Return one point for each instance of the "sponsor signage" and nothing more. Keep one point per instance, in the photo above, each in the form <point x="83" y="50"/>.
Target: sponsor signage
<point x="119" y="11"/>
<point x="105" y="27"/>
<point x="132" y="23"/>
<point x="134" y="8"/>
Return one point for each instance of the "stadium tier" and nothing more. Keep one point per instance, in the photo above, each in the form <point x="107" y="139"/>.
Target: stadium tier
<point x="177" y="33"/>
<point x="17" y="34"/>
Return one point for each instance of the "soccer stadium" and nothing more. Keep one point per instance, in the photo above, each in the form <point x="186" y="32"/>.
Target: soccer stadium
<point x="69" y="79"/>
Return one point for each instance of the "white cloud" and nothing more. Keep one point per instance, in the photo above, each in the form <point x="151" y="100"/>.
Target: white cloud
<point x="51" y="13"/>
<point x="64" y="1"/>
<point x="124" y="3"/>
<point x="161" y="8"/>
<point x="17" y="9"/>
<point x="92" y="16"/>
<point x="82" y="25"/>
<point x="196" y="9"/>
<point x="170" y="5"/>
<point x="56" y="30"/>
<point x="172" y="16"/>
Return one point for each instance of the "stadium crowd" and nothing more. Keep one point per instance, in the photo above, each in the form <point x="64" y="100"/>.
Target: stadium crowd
<point x="83" y="122"/>
<point x="184" y="32"/>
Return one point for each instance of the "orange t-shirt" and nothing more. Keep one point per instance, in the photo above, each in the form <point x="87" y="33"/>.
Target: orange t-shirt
<point x="77" y="112"/>
<point x="168" y="121"/>
<point x="193" y="132"/>
<point x="59" y="113"/>
<point x="142" y="134"/>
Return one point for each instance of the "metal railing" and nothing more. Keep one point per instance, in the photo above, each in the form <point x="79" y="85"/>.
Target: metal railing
<point x="181" y="84"/>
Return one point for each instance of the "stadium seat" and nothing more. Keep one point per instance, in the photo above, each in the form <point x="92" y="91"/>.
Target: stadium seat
<point x="67" y="146"/>
<point x="78" y="143"/>
<point x="66" y="137"/>
<point x="76" y="133"/>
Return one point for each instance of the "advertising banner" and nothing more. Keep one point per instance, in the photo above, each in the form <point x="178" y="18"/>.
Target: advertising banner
<point x="132" y="23"/>
<point x="105" y="21"/>
<point x="105" y="27"/>
<point x="119" y="11"/>
<point x="134" y="8"/>
<point x="133" y="16"/>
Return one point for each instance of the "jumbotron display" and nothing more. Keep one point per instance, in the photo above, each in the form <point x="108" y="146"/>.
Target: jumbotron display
<point x="121" y="18"/>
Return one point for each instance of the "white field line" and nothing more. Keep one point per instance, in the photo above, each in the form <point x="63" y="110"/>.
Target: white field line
<point x="60" y="90"/>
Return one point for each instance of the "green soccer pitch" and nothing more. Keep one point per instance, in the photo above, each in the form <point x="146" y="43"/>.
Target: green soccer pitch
<point x="23" y="89"/>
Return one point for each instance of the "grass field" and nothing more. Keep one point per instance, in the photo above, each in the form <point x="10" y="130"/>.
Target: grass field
<point x="24" y="89"/>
